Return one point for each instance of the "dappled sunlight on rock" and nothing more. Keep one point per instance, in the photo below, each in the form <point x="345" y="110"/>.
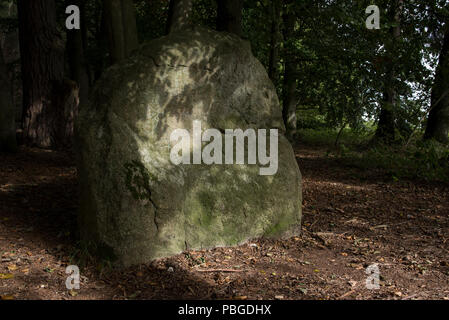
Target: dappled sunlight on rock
<point x="139" y="204"/>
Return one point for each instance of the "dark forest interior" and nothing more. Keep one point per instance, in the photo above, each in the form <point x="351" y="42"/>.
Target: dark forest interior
<point x="90" y="91"/>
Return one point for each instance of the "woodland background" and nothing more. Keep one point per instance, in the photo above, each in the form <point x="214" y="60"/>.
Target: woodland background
<point x="367" y="112"/>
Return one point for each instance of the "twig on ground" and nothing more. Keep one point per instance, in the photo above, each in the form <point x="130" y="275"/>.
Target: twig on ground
<point x="219" y="270"/>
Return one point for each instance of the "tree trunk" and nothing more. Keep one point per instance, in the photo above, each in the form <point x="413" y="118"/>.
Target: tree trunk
<point x="229" y="16"/>
<point x="11" y="54"/>
<point x="273" y="69"/>
<point x="386" y="126"/>
<point x="120" y="18"/>
<point x="385" y="131"/>
<point x="179" y="15"/>
<point x="102" y="46"/>
<point x="289" y="87"/>
<point x="438" y="122"/>
<point x="7" y="111"/>
<point x="76" y="45"/>
<point x="48" y="100"/>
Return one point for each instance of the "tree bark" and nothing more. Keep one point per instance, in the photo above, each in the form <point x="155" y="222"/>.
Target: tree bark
<point x="48" y="99"/>
<point x="289" y="101"/>
<point x="179" y="15"/>
<point x="76" y="45"/>
<point x="438" y="122"/>
<point x="273" y="69"/>
<point x="7" y="111"/>
<point x="229" y="16"/>
<point x="11" y="53"/>
<point x="120" y="19"/>
<point x="386" y="126"/>
<point x="385" y="131"/>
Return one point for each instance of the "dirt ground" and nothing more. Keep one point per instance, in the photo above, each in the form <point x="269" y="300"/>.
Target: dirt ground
<point x="352" y="219"/>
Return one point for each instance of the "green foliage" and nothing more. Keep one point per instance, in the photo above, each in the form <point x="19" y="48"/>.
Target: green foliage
<point x="151" y="18"/>
<point x="256" y="29"/>
<point x="427" y="160"/>
<point x="311" y="118"/>
<point x="327" y="137"/>
<point x="424" y="160"/>
<point x="205" y="13"/>
<point x="343" y="67"/>
<point x="85" y="254"/>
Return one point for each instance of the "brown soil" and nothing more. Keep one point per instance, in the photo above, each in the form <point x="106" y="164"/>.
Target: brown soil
<point x="352" y="219"/>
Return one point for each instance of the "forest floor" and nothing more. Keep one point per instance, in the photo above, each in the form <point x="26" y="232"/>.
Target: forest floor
<point x="352" y="219"/>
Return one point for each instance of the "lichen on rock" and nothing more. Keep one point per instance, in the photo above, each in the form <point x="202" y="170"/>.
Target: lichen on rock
<point x="134" y="200"/>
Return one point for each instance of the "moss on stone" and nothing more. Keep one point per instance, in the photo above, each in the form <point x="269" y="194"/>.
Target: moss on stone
<point x="134" y="200"/>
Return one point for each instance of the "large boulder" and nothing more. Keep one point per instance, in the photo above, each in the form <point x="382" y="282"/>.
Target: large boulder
<point x="136" y="204"/>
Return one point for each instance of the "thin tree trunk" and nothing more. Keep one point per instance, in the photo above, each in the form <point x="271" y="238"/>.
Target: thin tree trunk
<point x="289" y="101"/>
<point x="340" y="132"/>
<point x="48" y="100"/>
<point x="273" y="69"/>
<point x="386" y="126"/>
<point x="76" y="57"/>
<point x="102" y="44"/>
<point x="7" y="111"/>
<point x="11" y="54"/>
<point x="229" y="16"/>
<point x="179" y="15"/>
<point x="120" y="18"/>
<point x="438" y="122"/>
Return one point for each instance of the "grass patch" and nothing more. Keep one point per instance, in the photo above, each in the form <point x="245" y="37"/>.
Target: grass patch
<point x="427" y="161"/>
<point x="424" y="160"/>
<point x="328" y="137"/>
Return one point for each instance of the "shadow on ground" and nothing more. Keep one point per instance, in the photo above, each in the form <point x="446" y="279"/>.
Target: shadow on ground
<point x="349" y="224"/>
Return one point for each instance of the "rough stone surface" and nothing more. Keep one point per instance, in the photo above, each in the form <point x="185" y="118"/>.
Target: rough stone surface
<point x="135" y="204"/>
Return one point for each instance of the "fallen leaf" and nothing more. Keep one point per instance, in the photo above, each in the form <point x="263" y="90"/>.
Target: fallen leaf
<point x="382" y="226"/>
<point x="73" y="293"/>
<point x="5" y="276"/>
<point x="12" y="267"/>
<point x="352" y="283"/>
